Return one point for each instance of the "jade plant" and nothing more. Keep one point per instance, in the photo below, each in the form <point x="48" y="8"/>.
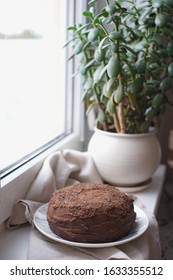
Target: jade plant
<point x="126" y="59"/>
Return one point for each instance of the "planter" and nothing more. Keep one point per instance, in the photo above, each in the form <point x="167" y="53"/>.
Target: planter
<point x="125" y="159"/>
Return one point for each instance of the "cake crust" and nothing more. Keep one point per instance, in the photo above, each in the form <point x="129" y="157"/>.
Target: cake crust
<point x="91" y="213"/>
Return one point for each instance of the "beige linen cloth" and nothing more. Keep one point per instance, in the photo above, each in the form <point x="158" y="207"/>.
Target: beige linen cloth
<point x="61" y="169"/>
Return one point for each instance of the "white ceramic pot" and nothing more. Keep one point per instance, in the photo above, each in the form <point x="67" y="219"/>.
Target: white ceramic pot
<point x="125" y="159"/>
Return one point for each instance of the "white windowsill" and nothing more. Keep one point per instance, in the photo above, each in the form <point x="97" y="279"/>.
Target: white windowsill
<point x="150" y="197"/>
<point x="15" y="185"/>
<point x="14" y="243"/>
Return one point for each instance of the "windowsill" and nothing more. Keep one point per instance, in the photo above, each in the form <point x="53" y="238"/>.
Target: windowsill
<point x="14" y="243"/>
<point x="15" y="185"/>
<point x="150" y="197"/>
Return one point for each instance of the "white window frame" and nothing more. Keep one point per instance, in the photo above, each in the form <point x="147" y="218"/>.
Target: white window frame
<point x="15" y="185"/>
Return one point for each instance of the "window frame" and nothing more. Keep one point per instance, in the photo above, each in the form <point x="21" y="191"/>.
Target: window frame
<point x="14" y="186"/>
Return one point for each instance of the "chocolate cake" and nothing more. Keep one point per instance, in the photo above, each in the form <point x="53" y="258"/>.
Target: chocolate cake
<point x="91" y="213"/>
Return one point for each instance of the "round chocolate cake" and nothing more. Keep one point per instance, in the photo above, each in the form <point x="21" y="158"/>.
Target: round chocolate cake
<point x="91" y="213"/>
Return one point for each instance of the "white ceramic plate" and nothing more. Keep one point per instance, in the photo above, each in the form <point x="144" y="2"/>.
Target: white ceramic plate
<point x="141" y="224"/>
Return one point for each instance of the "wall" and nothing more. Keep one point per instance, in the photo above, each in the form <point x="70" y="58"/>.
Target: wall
<point x="163" y="136"/>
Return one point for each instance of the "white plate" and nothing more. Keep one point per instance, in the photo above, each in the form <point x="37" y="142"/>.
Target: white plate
<point x="141" y="224"/>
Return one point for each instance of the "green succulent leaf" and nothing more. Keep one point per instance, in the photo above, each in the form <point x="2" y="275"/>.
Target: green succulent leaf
<point x="140" y="65"/>
<point x="102" y="14"/>
<point x="151" y="113"/>
<point x="110" y="83"/>
<point x="130" y="49"/>
<point x="96" y="21"/>
<point x="99" y="55"/>
<point x="109" y="19"/>
<point x="161" y="20"/>
<point x="102" y="72"/>
<point x="170" y="47"/>
<point x="92" y="10"/>
<point x="83" y="69"/>
<point x="113" y="67"/>
<point x="115" y="35"/>
<point x="71" y="57"/>
<point x="86" y="46"/>
<point x="144" y="127"/>
<point x="170" y="69"/>
<point x="134" y="35"/>
<point x="92" y="1"/>
<point x="111" y="9"/>
<point x="87" y="14"/>
<point x="96" y="76"/>
<point x="157" y="3"/>
<point x="137" y="85"/>
<point x="89" y="63"/>
<point x="114" y="47"/>
<point x="78" y="48"/>
<point x="118" y="94"/>
<point x="68" y="42"/>
<point x="107" y="92"/>
<point x="165" y="84"/>
<point x="153" y="66"/>
<point x="80" y="28"/>
<point x="101" y="116"/>
<point x="88" y="84"/>
<point x="146" y="13"/>
<point x="71" y="28"/>
<point x="157" y="100"/>
<point x="148" y="90"/>
<point x="111" y="108"/>
<point x="131" y="69"/>
<point x="93" y="35"/>
<point x="132" y="99"/>
<point x="155" y="57"/>
<point x="100" y="47"/>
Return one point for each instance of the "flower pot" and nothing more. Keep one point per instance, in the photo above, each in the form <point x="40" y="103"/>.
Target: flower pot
<point x="125" y="159"/>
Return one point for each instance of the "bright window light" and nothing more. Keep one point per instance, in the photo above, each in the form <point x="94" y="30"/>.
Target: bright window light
<point x="32" y="75"/>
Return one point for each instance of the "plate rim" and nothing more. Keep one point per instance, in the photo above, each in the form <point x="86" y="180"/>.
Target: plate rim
<point x="90" y="245"/>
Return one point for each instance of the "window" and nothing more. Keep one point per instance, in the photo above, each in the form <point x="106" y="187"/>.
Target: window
<point x="41" y="109"/>
<point x="33" y="76"/>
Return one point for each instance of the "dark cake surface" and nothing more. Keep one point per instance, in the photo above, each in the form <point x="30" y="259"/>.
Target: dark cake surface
<point x="92" y="213"/>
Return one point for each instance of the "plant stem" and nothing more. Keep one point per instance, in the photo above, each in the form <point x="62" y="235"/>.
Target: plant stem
<point x="121" y="117"/>
<point x="105" y="126"/>
<point x="120" y="106"/>
<point x="105" y="31"/>
<point x="107" y="2"/>
<point x="116" y="122"/>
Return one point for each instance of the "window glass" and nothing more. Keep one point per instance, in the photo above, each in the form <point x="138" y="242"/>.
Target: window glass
<point x="32" y="75"/>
